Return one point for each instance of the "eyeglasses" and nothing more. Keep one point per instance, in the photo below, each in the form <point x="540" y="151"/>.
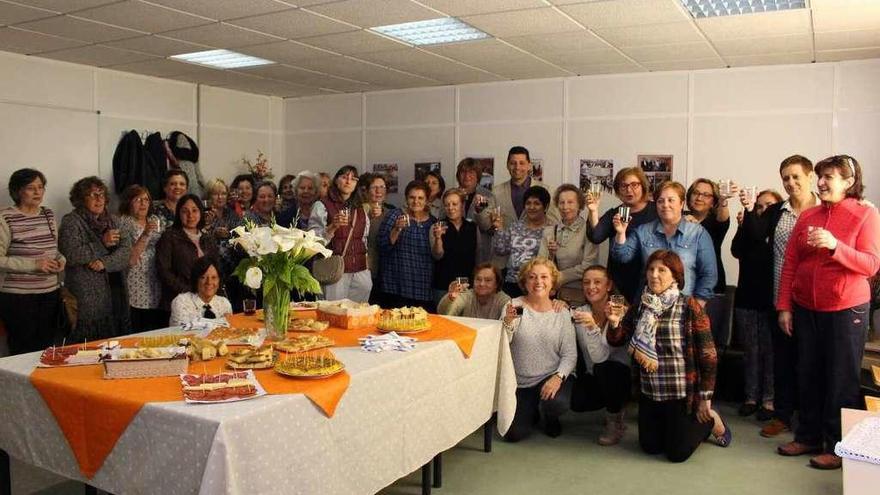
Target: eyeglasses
<point x="377" y="188"/>
<point x="702" y="194"/>
<point x="141" y="200"/>
<point x="630" y="186"/>
<point x="96" y="195"/>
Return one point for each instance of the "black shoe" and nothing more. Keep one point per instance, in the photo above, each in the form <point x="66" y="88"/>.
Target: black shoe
<point x="552" y="427"/>
<point x="764" y="414"/>
<point x="747" y="409"/>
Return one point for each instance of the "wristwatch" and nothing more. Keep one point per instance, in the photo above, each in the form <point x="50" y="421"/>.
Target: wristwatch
<point x="561" y="376"/>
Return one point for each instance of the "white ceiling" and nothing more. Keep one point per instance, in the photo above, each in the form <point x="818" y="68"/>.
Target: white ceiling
<point x="323" y="46"/>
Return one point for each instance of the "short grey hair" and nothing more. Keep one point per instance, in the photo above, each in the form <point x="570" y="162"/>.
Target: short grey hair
<point x="306" y="174"/>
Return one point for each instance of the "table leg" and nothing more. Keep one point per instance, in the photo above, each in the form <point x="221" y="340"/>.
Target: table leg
<point x="426" y="479"/>
<point x="488" y="434"/>
<point x="90" y="490"/>
<point x="5" y="476"/>
<point x="438" y="470"/>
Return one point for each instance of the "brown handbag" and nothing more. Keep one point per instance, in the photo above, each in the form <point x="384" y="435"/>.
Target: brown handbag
<point x="328" y="271"/>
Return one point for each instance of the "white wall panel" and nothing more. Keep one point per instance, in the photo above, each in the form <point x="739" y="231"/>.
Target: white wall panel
<point x="46" y="82"/>
<point x="225" y="107"/>
<point x="411" y="107"/>
<point x="409" y="146"/>
<point x="510" y="101"/>
<point x="131" y="95"/>
<point x="633" y="94"/>
<point x="323" y="151"/>
<point x="857" y="85"/>
<point x="222" y="150"/>
<point x="330" y="112"/>
<point x="852" y="129"/>
<point x="762" y="89"/>
<point x="543" y="140"/>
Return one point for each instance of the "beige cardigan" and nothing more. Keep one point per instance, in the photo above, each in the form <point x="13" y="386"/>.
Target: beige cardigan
<point x="574" y="255"/>
<point x="466" y="305"/>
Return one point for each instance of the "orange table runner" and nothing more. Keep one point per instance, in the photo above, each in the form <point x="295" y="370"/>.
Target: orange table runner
<point x="93" y="412"/>
<point x="441" y="329"/>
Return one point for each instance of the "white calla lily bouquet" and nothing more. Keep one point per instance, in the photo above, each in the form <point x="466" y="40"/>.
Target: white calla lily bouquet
<point x="275" y="262"/>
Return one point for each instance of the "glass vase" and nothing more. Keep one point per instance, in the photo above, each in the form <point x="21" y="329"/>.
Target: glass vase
<point x="276" y="306"/>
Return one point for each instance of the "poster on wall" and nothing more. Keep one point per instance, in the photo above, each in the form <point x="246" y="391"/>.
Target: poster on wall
<point x="389" y="170"/>
<point x="486" y="166"/>
<point x="657" y="168"/>
<point x="537" y="171"/>
<point x="422" y="169"/>
<point x="596" y="170"/>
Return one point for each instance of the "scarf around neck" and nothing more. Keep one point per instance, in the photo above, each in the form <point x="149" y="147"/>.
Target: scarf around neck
<point x="97" y="223"/>
<point x="643" y="345"/>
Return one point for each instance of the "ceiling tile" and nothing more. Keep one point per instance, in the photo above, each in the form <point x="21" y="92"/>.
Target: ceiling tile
<point x="470" y="7"/>
<point x="652" y="34"/>
<point x="846" y="40"/>
<point x="157" y="45"/>
<point x="854" y="54"/>
<point x="11" y="13"/>
<point x="98" y="55"/>
<point x="425" y="64"/>
<point x="158" y="68"/>
<point x="373" y="13"/>
<point x="221" y="35"/>
<point x="862" y="16"/>
<point x="558" y="43"/>
<point x="134" y="14"/>
<point x="293" y="24"/>
<point x="663" y="53"/>
<point x="283" y="51"/>
<point x="79" y="29"/>
<point x="522" y="22"/>
<point x="692" y="64"/>
<point x="497" y="57"/>
<point x="772" y="59"/>
<point x="222" y="10"/>
<point x="354" y="42"/>
<point x="64" y="6"/>
<point x="27" y="42"/>
<point x="362" y="71"/>
<point x="763" y="46"/>
<point x="626" y="13"/>
<point x="306" y="78"/>
<point x="764" y="24"/>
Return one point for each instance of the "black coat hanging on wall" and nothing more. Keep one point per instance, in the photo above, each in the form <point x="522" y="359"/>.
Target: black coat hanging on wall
<point x="133" y="165"/>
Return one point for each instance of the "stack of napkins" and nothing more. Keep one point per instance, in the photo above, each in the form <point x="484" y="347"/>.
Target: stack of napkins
<point x="862" y="443"/>
<point x="391" y="341"/>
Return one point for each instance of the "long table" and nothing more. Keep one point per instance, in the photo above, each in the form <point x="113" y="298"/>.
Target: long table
<point x="401" y="409"/>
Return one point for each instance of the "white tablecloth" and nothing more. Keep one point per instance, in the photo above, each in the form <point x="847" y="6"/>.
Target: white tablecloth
<point x="399" y="411"/>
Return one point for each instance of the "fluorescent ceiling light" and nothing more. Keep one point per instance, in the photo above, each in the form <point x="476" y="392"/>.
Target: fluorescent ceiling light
<point x="718" y="8"/>
<point x="432" y="32"/>
<point x="221" y="59"/>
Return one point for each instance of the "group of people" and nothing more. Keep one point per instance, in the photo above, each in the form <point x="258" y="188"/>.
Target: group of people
<point x="516" y="253"/>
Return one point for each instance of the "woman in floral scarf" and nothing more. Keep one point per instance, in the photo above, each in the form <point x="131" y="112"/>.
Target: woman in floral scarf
<point x="669" y="337"/>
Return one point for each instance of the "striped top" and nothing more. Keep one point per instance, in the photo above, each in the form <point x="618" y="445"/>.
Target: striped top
<point x="23" y="240"/>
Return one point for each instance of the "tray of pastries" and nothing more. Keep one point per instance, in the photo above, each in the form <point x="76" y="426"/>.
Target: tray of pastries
<point x="303" y="343"/>
<point x="307" y="325"/>
<point x="235" y="336"/>
<point x="221" y="387"/>
<point x="345" y="313"/>
<point x="404" y="320"/>
<point x="252" y="358"/>
<point x="309" y="365"/>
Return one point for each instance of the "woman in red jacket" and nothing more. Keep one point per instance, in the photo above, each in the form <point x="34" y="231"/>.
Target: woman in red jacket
<point x="824" y="296"/>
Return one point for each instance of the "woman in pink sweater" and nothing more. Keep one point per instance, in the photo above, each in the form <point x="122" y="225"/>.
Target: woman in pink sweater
<point x="824" y="296"/>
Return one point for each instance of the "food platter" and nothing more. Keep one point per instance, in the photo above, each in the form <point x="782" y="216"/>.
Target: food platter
<point x="71" y="355"/>
<point x="252" y="359"/>
<point x="307" y="325"/>
<point x="220" y="388"/>
<point x="309" y="366"/>
<point x="303" y="343"/>
<point x="235" y="336"/>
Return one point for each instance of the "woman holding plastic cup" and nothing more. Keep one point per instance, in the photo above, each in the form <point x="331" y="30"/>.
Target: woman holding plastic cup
<point x="707" y="205"/>
<point x="484" y="300"/>
<point x="632" y="188"/>
<point x="824" y="298"/>
<point x="340" y="219"/>
<point x="603" y="378"/>
<point x="478" y="204"/>
<point x="142" y="232"/>
<point x="453" y="244"/>
<point x="175" y="184"/>
<point x="671" y="231"/>
<point x="568" y="245"/>
<point x="406" y="264"/>
<point x="521" y="241"/>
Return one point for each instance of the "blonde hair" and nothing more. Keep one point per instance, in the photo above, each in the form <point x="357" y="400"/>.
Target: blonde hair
<point x="214" y="184"/>
<point x="555" y="274"/>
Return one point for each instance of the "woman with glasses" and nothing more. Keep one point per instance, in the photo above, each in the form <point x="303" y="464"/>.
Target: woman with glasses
<point x="202" y="300"/>
<point x="375" y="194"/>
<point x="144" y="290"/>
<point x="631" y="187"/>
<point x="823" y="300"/>
<point x="30" y="266"/>
<point x="340" y="220"/>
<point x="708" y="207"/>
<point x="97" y="260"/>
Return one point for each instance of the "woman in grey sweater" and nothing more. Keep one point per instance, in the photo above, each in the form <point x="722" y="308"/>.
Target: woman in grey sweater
<point x="97" y="261"/>
<point x="486" y="300"/>
<point x="544" y="350"/>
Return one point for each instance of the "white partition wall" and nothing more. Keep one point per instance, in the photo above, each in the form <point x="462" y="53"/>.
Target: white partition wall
<point x="66" y="120"/>
<point x="735" y="123"/>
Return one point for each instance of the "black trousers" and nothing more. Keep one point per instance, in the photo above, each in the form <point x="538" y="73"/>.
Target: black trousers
<point x="666" y="427"/>
<point x="607" y="387"/>
<point x="785" y="380"/>
<point x="831" y="345"/>
<point x="143" y="320"/>
<point x="32" y="320"/>
<point x="528" y="405"/>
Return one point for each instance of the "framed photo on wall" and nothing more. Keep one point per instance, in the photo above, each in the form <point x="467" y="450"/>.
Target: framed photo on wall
<point x="422" y="169"/>
<point x="657" y="168"/>
<point x="599" y="170"/>
<point x="389" y="170"/>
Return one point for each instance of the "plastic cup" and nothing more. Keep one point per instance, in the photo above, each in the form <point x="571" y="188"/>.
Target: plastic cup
<point x="623" y="211"/>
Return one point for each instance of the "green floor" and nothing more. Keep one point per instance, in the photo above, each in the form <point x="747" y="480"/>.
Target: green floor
<point x="575" y="464"/>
